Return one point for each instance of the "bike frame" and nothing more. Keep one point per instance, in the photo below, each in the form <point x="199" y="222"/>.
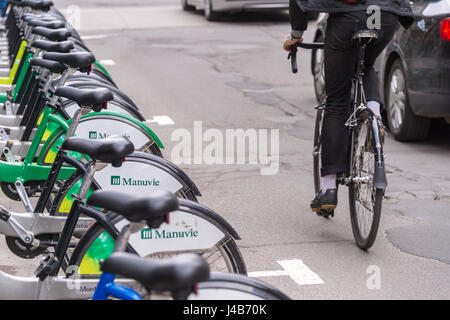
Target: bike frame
<point x="359" y="105"/>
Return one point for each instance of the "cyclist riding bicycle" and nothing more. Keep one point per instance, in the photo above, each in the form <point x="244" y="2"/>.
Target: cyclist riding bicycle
<point x="346" y="17"/>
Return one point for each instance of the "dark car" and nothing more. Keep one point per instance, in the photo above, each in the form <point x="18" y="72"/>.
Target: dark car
<point x="414" y="71"/>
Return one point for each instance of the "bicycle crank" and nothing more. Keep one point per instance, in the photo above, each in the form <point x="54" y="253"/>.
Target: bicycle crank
<point x="23" y="250"/>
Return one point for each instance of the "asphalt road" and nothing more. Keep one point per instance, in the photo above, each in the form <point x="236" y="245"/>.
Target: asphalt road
<point x="233" y="74"/>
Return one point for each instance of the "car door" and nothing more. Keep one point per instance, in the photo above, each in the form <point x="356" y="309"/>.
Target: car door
<point x="425" y="54"/>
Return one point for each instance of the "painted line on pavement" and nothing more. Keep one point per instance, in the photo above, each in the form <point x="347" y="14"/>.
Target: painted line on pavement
<point x="107" y="62"/>
<point x="161" y="120"/>
<point x="295" y="269"/>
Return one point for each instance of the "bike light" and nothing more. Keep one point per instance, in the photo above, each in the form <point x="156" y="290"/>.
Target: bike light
<point x="445" y="29"/>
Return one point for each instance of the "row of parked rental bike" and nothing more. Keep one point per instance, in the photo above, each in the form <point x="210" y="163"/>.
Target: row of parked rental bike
<point x="104" y="193"/>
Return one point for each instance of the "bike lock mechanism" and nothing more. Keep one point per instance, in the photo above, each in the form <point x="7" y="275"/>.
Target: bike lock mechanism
<point x="23" y="234"/>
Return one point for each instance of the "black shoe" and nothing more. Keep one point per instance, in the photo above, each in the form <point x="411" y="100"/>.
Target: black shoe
<point x="325" y="201"/>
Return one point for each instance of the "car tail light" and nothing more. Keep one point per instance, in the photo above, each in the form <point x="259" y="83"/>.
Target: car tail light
<point x="445" y="29"/>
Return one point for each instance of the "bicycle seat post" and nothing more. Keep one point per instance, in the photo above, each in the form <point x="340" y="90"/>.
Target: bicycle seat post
<point x="361" y="61"/>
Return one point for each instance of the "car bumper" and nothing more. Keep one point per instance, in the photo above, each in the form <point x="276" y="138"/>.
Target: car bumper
<point x="236" y="5"/>
<point x="431" y="105"/>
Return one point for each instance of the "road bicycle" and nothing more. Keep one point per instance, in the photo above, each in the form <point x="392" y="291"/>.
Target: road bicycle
<point x="185" y="277"/>
<point x="366" y="178"/>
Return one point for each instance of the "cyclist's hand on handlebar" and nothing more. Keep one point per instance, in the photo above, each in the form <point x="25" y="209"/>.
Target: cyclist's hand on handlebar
<point x="289" y="41"/>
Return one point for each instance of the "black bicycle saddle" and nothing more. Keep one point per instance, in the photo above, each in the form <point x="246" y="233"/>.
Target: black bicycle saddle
<point x="50" y="24"/>
<point x="51" y="46"/>
<point x="180" y="273"/>
<point x="85" y="97"/>
<point x="112" y="149"/>
<point x="36" y="4"/>
<point x="61" y="34"/>
<point x="53" y="66"/>
<point x="153" y="208"/>
<point x="28" y="17"/>
<point x="73" y="59"/>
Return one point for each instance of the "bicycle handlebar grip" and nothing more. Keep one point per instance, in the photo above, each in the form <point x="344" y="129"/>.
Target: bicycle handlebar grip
<point x="293" y="57"/>
<point x="314" y="45"/>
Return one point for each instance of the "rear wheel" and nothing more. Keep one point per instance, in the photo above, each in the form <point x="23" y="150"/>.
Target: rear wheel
<point x="365" y="199"/>
<point x="404" y="124"/>
<point x="186" y="6"/>
<point x="97" y="245"/>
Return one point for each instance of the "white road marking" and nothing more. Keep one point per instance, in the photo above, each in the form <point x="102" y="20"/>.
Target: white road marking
<point x="107" y="62"/>
<point x="262" y="274"/>
<point x="161" y="120"/>
<point x="95" y="37"/>
<point x="300" y="273"/>
<point x="295" y="269"/>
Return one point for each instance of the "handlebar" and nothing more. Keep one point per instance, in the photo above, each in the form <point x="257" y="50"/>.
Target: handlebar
<point x="304" y="45"/>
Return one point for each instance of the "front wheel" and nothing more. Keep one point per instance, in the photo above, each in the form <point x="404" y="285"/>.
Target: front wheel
<point x="210" y="14"/>
<point x="317" y="149"/>
<point x="365" y="198"/>
<point x="404" y="124"/>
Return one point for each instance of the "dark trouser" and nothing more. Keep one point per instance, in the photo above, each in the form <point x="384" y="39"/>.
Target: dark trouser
<point x="340" y="59"/>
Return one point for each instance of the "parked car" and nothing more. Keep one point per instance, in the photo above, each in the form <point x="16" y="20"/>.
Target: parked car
<point x="213" y="8"/>
<point x="414" y="71"/>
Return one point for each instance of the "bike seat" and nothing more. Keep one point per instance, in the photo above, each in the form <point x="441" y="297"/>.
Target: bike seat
<point x="51" y="46"/>
<point x="180" y="273"/>
<point x="112" y="149"/>
<point x="28" y="17"/>
<point x="36" y="4"/>
<point x="53" y="66"/>
<point x="52" y="34"/>
<point x="365" y="35"/>
<point x="73" y="59"/>
<point x="153" y="208"/>
<point x="85" y="97"/>
<point x="50" y="24"/>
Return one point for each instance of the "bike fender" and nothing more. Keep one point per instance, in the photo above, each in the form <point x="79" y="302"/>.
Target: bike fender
<point x="211" y="214"/>
<point x="380" y="180"/>
<point x="131" y="119"/>
<point x="177" y="171"/>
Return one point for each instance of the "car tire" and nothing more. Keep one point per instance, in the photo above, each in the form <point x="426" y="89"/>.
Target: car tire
<point x="403" y="123"/>
<point x="186" y="6"/>
<point x="210" y="14"/>
<point x="318" y="69"/>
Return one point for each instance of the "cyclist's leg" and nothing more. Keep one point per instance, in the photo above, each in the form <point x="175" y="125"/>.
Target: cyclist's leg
<point x="389" y="24"/>
<point x="340" y="59"/>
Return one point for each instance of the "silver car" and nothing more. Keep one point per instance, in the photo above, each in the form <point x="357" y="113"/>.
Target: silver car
<point x="212" y="8"/>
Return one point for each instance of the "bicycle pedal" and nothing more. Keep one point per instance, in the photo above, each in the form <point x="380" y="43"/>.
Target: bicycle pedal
<point x="326" y="213"/>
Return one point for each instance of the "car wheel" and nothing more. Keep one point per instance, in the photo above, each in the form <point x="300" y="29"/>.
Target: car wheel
<point x="318" y="70"/>
<point x="210" y="14"/>
<point x="404" y="124"/>
<point x="186" y="6"/>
